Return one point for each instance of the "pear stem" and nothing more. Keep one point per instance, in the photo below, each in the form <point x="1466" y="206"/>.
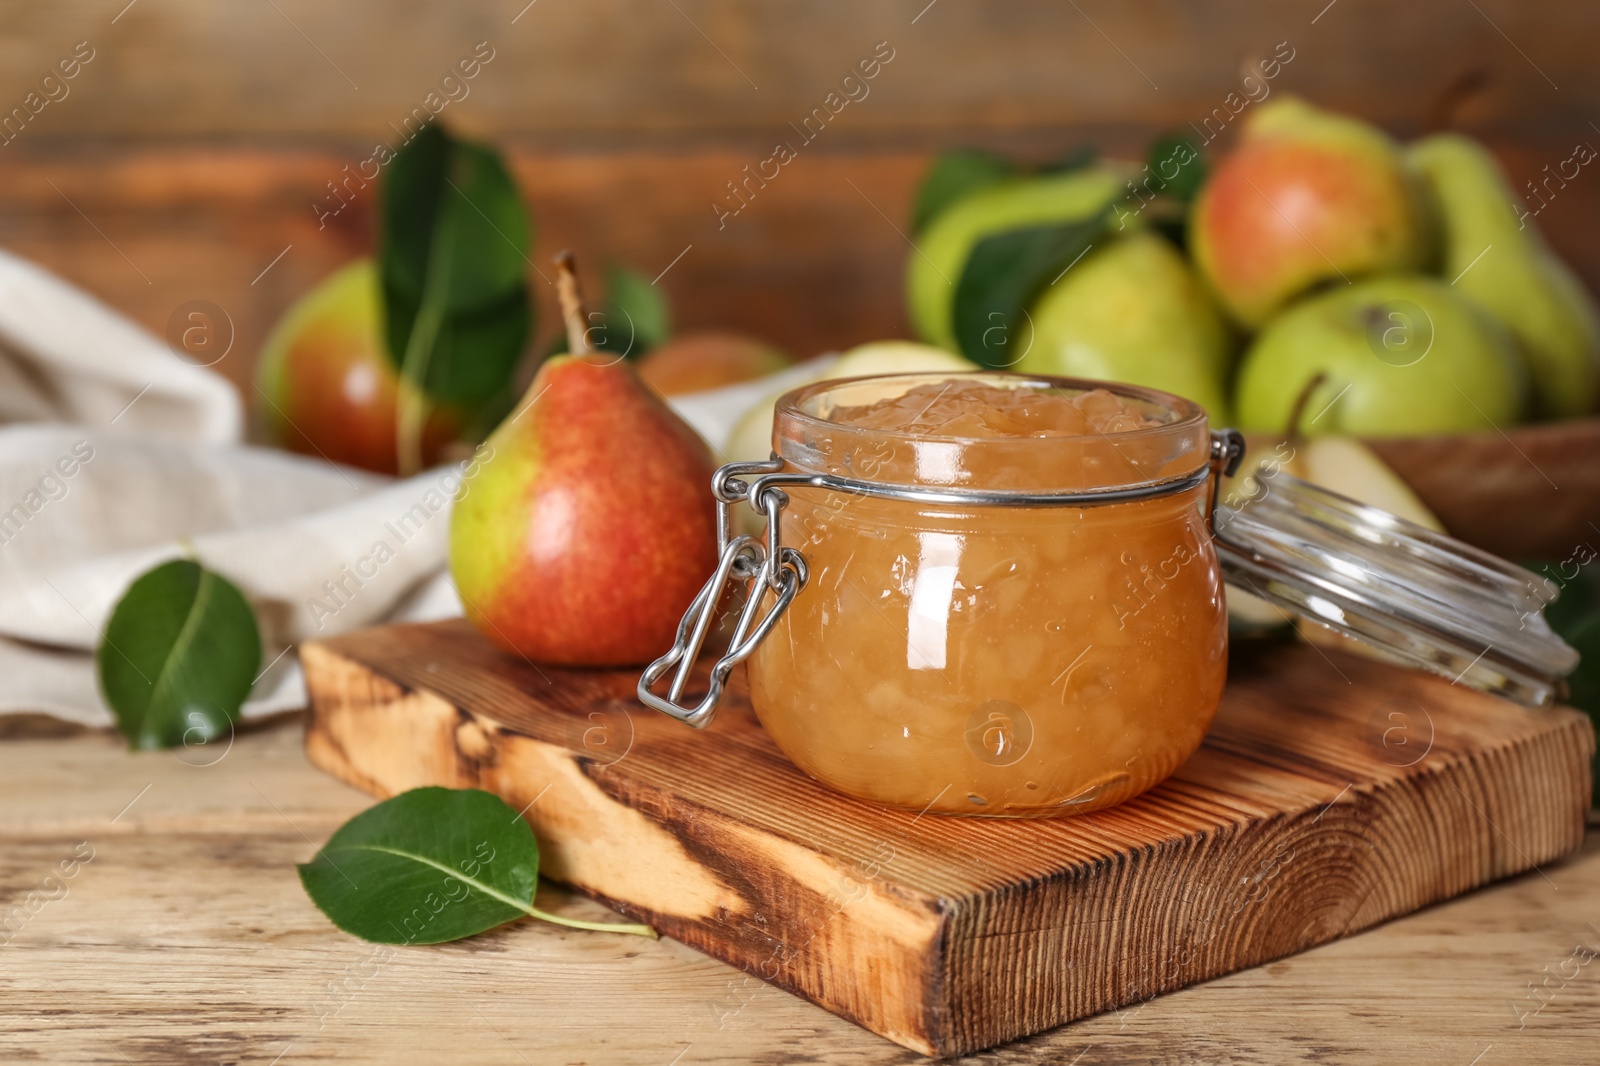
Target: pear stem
<point x="571" y="304"/>
<point x="1292" y="432"/>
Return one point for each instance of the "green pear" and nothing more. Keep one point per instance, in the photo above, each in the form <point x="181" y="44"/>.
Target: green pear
<point x="1504" y="266"/>
<point x="1131" y="311"/>
<point x="1400" y="354"/>
<point x="934" y="268"/>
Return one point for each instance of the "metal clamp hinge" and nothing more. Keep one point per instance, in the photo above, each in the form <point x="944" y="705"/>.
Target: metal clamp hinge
<point x="1227" y="451"/>
<point x="764" y="568"/>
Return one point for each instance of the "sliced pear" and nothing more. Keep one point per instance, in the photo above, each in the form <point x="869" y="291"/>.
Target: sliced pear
<point x="1264" y="458"/>
<point x="1340" y="464"/>
<point x="896" y="357"/>
<point x="1252" y="616"/>
<point x="1348" y="467"/>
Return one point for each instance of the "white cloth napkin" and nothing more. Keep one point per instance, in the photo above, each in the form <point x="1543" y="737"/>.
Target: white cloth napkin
<point x="65" y="357"/>
<point x="116" y="455"/>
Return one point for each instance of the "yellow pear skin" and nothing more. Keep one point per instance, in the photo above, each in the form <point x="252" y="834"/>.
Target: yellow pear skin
<point x="1518" y="279"/>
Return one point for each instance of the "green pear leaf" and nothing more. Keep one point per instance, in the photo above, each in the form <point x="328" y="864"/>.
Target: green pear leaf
<point x="952" y="176"/>
<point x="634" y="317"/>
<point x="178" y="657"/>
<point x="1003" y="275"/>
<point x="448" y="198"/>
<point x="1579" y="585"/>
<point x="432" y="865"/>
<point x="1175" y="162"/>
<point x="453" y="253"/>
<point x="473" y="354"/>
<point x="1575" y="617"/>
<point x="637" y="317"/>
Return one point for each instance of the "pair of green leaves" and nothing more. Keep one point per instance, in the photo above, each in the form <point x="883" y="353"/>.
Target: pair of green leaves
<point x="432" y="865"/>
<point x="178" y="657"/>
<point x="1006" y="271"/>
<point x="1173" y="165"/>
<point x="453" y="252"/>
<point x="176" y="662"/>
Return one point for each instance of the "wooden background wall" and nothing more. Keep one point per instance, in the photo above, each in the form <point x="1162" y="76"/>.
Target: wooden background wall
<point x="188" y="153"/>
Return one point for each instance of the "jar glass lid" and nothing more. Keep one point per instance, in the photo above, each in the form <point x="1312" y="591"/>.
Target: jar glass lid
<point x="1420" y="596"/>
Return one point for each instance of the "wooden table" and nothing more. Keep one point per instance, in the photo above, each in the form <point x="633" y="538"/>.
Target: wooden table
<point x="182" y="936"/>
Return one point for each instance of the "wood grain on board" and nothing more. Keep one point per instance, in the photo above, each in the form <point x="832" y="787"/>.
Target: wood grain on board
<point x="1356" y="791"/>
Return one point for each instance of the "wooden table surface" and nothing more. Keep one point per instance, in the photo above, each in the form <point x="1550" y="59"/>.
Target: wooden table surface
<point x="182" y="936"/>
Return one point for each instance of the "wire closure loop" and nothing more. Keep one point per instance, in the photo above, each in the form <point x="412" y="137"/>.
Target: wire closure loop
<point x="773" y="574"/>
<point x="766" y="570"/>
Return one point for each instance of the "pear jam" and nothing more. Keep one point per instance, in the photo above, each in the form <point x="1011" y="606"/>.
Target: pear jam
<point x="1007" y="659"/>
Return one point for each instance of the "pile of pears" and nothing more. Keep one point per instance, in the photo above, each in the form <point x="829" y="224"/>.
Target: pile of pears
<point x="1328" y="276"/>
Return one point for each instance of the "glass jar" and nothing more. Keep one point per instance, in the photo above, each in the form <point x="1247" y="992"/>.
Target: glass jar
<point x="1019" y="625"/>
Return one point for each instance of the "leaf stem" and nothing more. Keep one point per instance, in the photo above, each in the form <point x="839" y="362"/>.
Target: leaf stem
<point x="413" y="404"/>
<point x="488" y="890"/>
<point x="599" y="927"/>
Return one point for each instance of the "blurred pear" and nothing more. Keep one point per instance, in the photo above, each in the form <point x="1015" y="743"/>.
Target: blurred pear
<point x="1397" y="355"/>
<point x="1503" y="265"/>
<point x="934" y="269"/>
<point x="1132" y="311"/>
<point x="1309" y="196"/>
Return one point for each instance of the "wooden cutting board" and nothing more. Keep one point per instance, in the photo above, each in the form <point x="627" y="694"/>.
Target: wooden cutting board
<point x="1333" y="793"/>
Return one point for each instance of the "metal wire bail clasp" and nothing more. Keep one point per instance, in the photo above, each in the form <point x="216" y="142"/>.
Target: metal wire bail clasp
<point x="1227" y="452"/>
<point x="762" y="567"/>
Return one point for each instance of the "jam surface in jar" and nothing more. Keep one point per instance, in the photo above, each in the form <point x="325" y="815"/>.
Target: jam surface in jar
<point x="993" y="660"/>
<point x="975" y="409"/>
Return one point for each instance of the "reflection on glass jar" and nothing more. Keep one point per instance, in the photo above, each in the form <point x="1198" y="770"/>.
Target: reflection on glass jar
<point x="997" y="660"/>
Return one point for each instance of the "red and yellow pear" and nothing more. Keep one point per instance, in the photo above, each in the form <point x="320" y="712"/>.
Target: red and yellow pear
<point x="589" y="524"/>
<point x="1308" y="197"/>
<point x="327" y="385"/>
